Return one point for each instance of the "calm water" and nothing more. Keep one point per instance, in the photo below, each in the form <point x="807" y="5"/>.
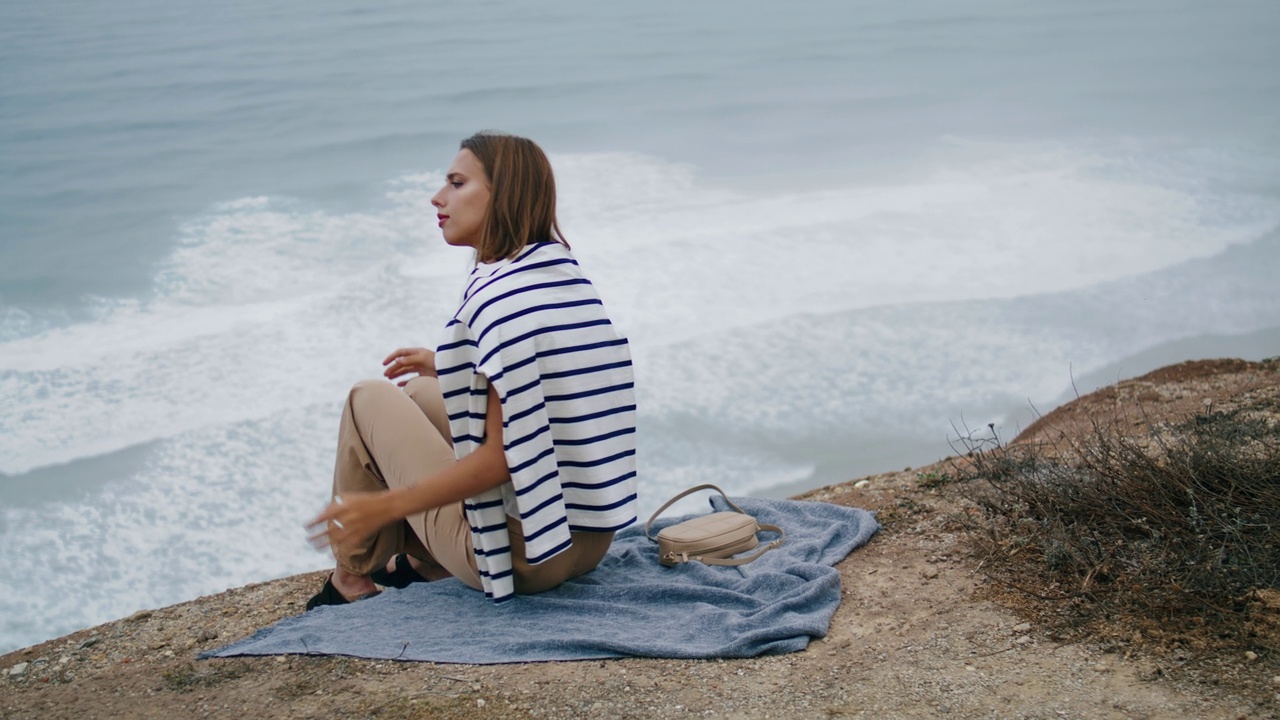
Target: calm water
<point x="833" y="232"/>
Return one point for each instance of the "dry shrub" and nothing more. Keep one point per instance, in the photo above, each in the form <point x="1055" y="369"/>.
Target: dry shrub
<point x="1176" y="527"/>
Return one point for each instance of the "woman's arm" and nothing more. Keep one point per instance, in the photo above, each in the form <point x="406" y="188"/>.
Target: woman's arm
<point x="355" y="516"/>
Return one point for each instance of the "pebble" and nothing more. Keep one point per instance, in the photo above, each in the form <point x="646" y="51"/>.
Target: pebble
<point x="1022" y="640"/>
<point x="479" y="702"/>
<point x="862" y="484"/>
<point x="88" y="643"/>
<point x="18" y="670"/>
<point x="1022" y="627"/>
<point x="1250" y="655"/>
<point x="930" y="573"/>
<point x="1275" y="680"/>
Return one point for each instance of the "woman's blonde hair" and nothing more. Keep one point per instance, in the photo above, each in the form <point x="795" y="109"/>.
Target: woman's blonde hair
<point x="522" y="195"/>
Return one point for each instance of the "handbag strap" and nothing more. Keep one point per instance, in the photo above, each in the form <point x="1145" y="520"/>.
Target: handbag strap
<point x="742" y="560"/>
<point x="648" y="528"/>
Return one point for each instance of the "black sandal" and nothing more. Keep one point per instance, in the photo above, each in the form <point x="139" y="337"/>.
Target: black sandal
<point x="329" y="595"/>
<point x="402" y="577"/>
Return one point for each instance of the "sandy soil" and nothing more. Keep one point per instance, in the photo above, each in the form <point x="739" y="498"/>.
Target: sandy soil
<point x="921" y="632"/>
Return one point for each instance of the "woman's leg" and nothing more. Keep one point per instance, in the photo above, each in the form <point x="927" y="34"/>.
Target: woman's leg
<point x="588" y="550"/>
<point x="444" y="532"/>
<point x="391" y="439"/>
<point x="384" y="440"/>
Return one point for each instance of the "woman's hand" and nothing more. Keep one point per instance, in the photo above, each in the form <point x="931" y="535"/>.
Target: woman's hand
<point x="351" y="518"/>
<point x="409" y="360"/>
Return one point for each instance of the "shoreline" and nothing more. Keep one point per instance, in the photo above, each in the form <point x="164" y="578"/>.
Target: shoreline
<point x="873" y="457"/>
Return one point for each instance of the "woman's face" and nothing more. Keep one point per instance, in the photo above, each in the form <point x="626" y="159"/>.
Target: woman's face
<point x="463" y="201"/>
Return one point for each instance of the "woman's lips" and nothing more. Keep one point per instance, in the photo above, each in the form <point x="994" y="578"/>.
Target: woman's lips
<point x="440" y="219"/>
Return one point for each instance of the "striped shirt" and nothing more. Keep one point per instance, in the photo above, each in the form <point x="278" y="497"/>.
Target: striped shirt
<point x="534" y="328"/>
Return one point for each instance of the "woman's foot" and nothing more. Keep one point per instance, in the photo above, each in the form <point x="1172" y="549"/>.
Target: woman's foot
<point x="341" y="588"/>
<point x="404" y="570"/>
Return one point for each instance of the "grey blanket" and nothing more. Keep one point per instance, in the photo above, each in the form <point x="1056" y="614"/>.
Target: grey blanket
<point x="630" y="605"/>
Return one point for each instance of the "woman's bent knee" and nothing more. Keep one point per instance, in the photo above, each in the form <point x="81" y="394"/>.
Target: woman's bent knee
<point x="367" y="392"/>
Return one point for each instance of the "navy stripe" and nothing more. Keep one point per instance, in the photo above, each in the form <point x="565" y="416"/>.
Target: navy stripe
<point x="522" y="388"/>
<point x="530" y="436"/>
<point x="590" y="393"/>
<point x="533" y="247"/>
<point x="455" y="368"/>
<point x="500" y="600"/>
<point x="534" y="309"/>
<point x="459" y="439"/>
<point x="588" y="346"/>
<point x="542" y="331"/>
<point x="523" y="413"/>
<point x="486" y="504"/>
<point x="598" y="486"/>
<point x="456" y="344"/>
<point x="455" y="393"/>
<point x="473" y="416"/>
<point x="538" y="482"/>
<point x="615" y="528"/>
<point x="471" y="320"/>
<point x="543" y="504"/>
<point x="587" y="370"/>
<point x="472" y="291"/>
<point x="530" y="537"/>
<point x="600" y="508"/>
<point x="594" y="415"/>
<point x="598" y="462"/>
<point x="597" y="438"/>
<point x="531" y="461"/>
<point x="487" y="528"/>
<point x="550" y="553"/>
<point x="471" y="317"/>
<point x="494" y="552"/>
<point x="559" y="351"/>
<point x="498" y="575"/>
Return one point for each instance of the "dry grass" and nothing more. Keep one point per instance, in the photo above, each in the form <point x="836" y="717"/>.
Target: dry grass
<point x="1175" y="527"/>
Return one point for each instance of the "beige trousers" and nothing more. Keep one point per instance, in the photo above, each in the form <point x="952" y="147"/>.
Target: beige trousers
<point x="390" y="438"/>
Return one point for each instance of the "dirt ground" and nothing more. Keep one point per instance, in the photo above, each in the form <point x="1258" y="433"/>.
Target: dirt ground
<point x="921" y="632"/>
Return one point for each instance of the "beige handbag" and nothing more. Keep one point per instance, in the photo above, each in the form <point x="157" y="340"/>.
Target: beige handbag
<point x="711" y="539"/>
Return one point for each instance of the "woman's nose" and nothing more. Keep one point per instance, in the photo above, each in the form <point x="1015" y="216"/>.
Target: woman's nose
<point x="435" y="199"/>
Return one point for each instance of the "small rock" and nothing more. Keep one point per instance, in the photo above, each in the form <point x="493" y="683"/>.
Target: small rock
<point x="861" y="484"/>
<point x="64" y="660"/>
<point x="1250" y="655"/>
<point x="930" y="573"/>
<point x="479" y="702"/>
<point x="970" y="668"/>
<point x="1275" y="680"/>
<point x="18" y="670"/>
<point x="1022" y="627"/>
<point x="89" y="643"/>
<point x="1022" y="640"/>
<point x="281" y="658"/>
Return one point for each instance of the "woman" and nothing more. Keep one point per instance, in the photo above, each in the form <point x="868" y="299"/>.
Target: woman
<point x="508" y="460"/>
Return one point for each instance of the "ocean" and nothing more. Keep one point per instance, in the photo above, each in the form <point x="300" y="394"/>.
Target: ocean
<point x="838" y="234"/>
